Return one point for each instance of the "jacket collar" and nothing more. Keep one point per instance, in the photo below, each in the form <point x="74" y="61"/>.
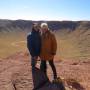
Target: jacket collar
<point x="46" y="34"/>
<point x="33" y="31"/>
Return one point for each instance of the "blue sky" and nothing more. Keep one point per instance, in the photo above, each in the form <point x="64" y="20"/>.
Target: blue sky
<point x="45" y="9"/>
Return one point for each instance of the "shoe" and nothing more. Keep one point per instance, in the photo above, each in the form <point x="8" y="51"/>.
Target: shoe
<point x="57" y="80"/>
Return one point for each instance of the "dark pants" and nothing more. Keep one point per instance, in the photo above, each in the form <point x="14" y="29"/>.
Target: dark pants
<point x="33" y="62"/>
<point x="43" y="67"/>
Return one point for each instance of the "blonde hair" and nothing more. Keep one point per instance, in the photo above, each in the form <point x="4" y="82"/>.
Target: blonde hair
<point x="44" y="25"/>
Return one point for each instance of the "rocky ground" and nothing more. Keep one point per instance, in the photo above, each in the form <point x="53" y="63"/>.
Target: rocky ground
<point x="15" y="73"/>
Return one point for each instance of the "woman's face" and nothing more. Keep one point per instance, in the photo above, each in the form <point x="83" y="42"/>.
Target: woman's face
<point x="44" y="29"/>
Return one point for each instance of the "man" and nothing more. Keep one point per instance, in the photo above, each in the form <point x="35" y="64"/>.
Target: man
<point x="34" y="44"/>
<point x="48" y="49"/>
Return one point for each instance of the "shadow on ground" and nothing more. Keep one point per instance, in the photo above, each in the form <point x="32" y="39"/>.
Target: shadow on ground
<point x="41" y="81"/>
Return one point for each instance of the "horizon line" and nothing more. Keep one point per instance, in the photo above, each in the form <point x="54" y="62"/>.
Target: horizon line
<point x="40" y="20"/>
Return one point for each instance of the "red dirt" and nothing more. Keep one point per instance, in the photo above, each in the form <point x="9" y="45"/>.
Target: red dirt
<point x="15" y="72"/>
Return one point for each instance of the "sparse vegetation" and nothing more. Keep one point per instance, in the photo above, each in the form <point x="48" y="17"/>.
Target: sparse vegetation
<point x="73" y="38"/>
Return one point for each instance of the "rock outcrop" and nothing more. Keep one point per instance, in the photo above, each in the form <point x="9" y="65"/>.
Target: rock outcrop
<point x="26" y="25"/>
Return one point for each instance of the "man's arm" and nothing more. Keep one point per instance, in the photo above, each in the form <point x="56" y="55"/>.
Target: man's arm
<point x="30" y="45"/>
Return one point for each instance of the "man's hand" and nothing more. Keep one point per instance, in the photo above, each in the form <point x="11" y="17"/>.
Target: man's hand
<point x="35" y="57"/>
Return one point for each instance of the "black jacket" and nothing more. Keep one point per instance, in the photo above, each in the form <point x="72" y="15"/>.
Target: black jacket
<point x="34" y="43"/>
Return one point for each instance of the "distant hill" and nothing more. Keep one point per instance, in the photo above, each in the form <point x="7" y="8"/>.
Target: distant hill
<point x="26" y="25"/>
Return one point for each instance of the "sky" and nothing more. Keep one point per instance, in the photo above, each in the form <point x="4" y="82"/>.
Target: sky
<point x="60" y="10"/>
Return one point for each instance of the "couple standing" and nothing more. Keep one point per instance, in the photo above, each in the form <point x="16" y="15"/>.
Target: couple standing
<point x="41" y="42"/>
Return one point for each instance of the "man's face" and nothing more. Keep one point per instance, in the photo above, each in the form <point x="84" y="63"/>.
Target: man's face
<point x="36" y="27"/>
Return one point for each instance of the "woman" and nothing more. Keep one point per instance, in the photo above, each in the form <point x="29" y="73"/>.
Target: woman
<point x="48" y="49"/>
